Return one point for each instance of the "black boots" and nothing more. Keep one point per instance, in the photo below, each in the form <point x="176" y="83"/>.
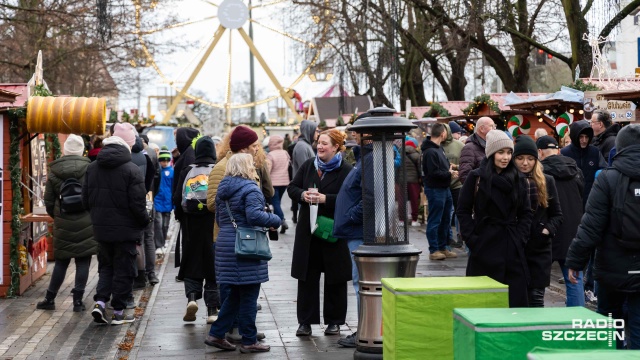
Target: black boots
<point x="140" y="282"/>
<point x="77" y="301"/>
<point x="48" y="303"/>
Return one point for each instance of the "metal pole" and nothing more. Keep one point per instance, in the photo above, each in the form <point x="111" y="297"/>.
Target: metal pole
<point x="252" y="95"/>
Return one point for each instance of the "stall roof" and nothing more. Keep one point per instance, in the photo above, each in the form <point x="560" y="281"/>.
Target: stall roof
<point x="17" y="92"/>
<point x="621" y="95"/>
<point x="544" y="104"/>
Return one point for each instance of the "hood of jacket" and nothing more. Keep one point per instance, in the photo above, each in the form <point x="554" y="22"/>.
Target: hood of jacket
<point x="428" y="144"/>
<point x="578" y="128"/>
<point x="410" y="150"/>
<point x="184" y="137"/>
<point x="113" y="155"/>
<point x="307" y="131"/>
<point x="627" y="161"/>
<point x="138" y="146"/>
<point x="231" y="185"/>
<point x="69" y="166"/>
<point x="275" y="142"/>
<point x="560" y="167"/>
<point x="449" y="135"/>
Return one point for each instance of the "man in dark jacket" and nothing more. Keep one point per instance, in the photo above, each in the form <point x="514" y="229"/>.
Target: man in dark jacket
<point x="604" y="132"/>
<point x="184" y="138"/>
<point x="348" y="220"/>
<point x="437" y="178"/>
<point x="589" y="160"/>
<point x="587" y="157"/>
<point x="473" y="151"/>
<point x="114" y="194"/>
<point x="570" y="186"/>
<point x="610" y="227"/>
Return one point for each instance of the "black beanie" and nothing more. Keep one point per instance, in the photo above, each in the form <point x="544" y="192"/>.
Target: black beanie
<point x="205" y="148"/>
<point x="525" y="146"/>
<point x="629" y="135"/>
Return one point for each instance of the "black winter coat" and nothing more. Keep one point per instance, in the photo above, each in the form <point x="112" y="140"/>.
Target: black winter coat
<point x="184" y="137"/>
<point x="570" y="185"/>
<point x="589" y="159"/>
<point x="539" y="249"/>
<point x="612" y="261"/>
<point x="114" y="194"/>
<point x="144" y="162"/>
<point x="607" y="140"/>
<point x="435" y="166"/>
<point x="336" y="257"/>
<point x="198" y="256"/>
<point x="495" y="223"/>
<point x="72" y="233"/>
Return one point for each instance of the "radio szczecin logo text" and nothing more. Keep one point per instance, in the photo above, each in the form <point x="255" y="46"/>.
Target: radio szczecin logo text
<point x="589" y="330"/>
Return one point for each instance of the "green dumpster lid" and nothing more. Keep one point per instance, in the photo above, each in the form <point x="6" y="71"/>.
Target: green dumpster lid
<point x="519" y="317"/>
<point x="442" y="284"/>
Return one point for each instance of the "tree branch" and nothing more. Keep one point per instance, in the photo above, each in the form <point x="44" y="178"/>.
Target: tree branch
<point x="587" y="7"/>
<point x="618" y="18"/>
<point x="538" y="45"/>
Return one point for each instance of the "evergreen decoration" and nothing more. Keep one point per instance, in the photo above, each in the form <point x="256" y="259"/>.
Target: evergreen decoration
<point x="412" y="116"/>
<point x="582" y="86"/>
<point x="16" y="199"/>
<point x="436" y="110"/>
<point x="322" y="124"/>
<point x="340" y="121"/>
<point x="479" y="101"/>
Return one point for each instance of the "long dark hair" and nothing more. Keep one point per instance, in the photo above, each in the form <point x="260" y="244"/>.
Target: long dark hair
<point x="510" y="173"/>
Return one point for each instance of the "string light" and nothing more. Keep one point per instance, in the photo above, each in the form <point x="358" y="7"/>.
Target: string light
<point x="580" y="111"/>
<point x="547" y="111"/>
<point x="539" y="119"/>
<point x="571" y="111"/>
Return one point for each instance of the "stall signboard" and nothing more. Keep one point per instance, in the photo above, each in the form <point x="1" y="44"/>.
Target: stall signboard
<point x="620" y="110"/>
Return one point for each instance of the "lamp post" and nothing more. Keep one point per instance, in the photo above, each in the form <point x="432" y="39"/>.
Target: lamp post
<point x="385" y="252"/>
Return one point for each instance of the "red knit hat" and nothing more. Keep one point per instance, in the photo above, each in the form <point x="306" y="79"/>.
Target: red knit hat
<point x="242" y="137"/>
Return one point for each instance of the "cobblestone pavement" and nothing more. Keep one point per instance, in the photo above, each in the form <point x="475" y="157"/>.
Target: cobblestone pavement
<point x="27" y="333"/>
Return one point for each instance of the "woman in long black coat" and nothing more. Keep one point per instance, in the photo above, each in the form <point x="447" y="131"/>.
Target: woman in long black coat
<point x="495" y="219"/>
<point x="312" y="255"/>
<point x="197" y="266"/>
<point x="547" y="218"/>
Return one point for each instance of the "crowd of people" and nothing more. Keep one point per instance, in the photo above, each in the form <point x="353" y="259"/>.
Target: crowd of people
<point x="514" y="206"/>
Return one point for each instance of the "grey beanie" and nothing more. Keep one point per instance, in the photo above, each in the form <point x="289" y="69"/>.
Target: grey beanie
<point x="629" y="135"/>
<point x="496" y="140"/>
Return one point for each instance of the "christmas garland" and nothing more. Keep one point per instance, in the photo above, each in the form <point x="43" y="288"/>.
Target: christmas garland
<point x="16" y="200"/>
<point x="480" y="100"/>
<point x="437" y="110"/>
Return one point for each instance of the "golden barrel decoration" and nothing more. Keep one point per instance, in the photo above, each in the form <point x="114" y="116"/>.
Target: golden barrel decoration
<point x="66" y="115"/>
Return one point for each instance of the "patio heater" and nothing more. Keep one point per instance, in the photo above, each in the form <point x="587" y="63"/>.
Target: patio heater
<point x="385" y="252"/>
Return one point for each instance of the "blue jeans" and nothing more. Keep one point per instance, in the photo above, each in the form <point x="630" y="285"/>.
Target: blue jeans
<point x="439" y="219"/>
<point x="276" y="200"/>
<point x="611" y="301"/>
<point x="240" y="302"/>
<point x="353" y="244"/>
<point x="575" y="292"/>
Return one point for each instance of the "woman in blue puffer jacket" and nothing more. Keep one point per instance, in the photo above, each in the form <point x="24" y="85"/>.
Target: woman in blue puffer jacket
<point x="240" y="278"/>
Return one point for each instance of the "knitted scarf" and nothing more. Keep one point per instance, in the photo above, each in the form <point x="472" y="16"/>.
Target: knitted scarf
<point x="329" y="166"/>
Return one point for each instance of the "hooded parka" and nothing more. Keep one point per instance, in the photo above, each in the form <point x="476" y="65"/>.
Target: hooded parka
<point x="114" y="193"/>
<point x="197" y="260"/>
<point x="615" y="266"/>
<point x="589" y="159"/>
<point x="184" y="138"/>
<point x="72" y="233"/>
<point x="303" y="150"/>
<point x="570" y="185"/>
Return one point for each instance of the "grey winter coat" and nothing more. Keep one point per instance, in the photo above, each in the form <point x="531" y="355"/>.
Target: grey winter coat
<point x="72" y="233"/>
<point x="303" y="150"/>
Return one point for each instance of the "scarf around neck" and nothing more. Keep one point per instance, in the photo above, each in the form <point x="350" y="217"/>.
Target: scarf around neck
<point x="329" y="166"/>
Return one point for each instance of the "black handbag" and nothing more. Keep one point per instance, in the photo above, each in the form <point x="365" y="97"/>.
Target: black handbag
<point x="251" y="243"/>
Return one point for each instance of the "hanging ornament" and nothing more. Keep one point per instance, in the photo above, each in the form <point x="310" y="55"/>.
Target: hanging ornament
<point x="562" y="123"/>
<point x="518" y="125"/>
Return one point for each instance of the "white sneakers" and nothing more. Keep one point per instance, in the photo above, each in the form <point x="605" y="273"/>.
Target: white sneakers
<point x="415" y="224"/>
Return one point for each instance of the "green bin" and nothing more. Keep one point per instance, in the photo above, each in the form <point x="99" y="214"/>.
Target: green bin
<point x="511" y="333"/>
<point x="417" y="313"/>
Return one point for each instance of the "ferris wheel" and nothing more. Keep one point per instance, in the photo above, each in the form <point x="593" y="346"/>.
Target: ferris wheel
<point x="219" y="26"/>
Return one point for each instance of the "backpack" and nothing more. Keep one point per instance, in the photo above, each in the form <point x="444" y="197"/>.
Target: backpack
<point x="194" y="189"/>
<point x="626" y="207"/>
<point x="71" y="196"/>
